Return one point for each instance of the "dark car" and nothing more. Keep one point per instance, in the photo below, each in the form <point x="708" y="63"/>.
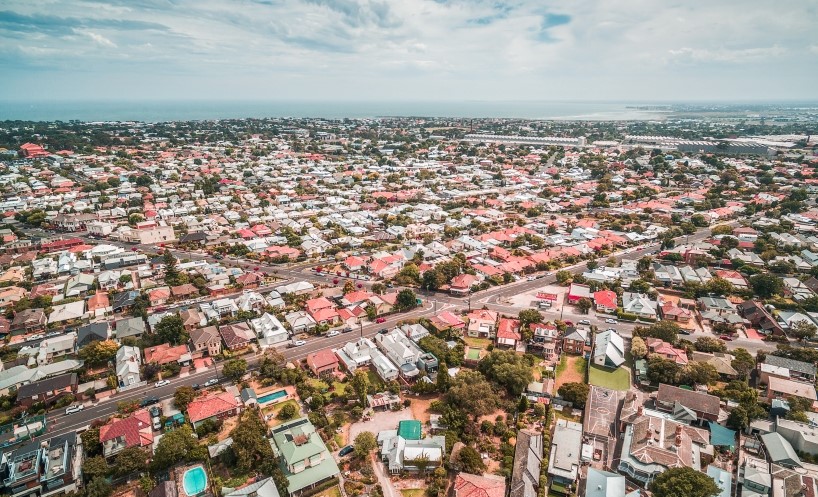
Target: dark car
<point x="346" y="450"/>
<point x="383" y="330"/>
<point x="155" y="412"/>
<point x="149" y="401"/>
<point x="196" y="386"/>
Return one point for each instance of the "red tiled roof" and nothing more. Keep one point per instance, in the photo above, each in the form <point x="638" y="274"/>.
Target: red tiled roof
<point x="136" y="429"/>
<point x="207" y="406"/>
<point x="467" y="485"/>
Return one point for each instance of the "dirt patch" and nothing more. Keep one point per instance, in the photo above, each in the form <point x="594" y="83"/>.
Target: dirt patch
<point x="571" y="372"/>
<point x="420" y="409"/>
<point x="227" y="427"/>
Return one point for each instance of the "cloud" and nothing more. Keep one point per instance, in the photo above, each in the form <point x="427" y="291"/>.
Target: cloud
<point x="409" y="49"/>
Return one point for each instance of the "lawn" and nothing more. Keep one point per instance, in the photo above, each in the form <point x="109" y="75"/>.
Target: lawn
<point x="479" y="343"/>
<point x="618" y="379"/>
<point x="571" y="369"/>
<point x="333" y="491"/>
<point x="374" y="379"/>
<point x="273" y="412"/>
<point x="412" y="492"/>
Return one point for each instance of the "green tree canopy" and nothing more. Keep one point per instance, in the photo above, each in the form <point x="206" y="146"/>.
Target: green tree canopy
<point x="472" y="392"/>
<point x="684" y="482"/>
<point x="235" y="369"/>
<point x="575" y="393"/>
<point x="250" y="444"/>
<point x="364" y="443"/>
<point x="183" y="396"/>
<point x="177" y="446"/>
<point x="507" y="369"/>
<point x="99" y="352"/>
<point x="171" y="329"/>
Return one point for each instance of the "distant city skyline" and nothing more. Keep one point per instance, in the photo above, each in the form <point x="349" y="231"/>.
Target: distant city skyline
<point x="424" y="50"/>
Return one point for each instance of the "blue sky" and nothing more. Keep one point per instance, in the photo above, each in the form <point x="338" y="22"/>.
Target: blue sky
<point x="409" y="49"/>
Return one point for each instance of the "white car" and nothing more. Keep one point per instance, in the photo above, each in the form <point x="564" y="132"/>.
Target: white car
<point x="333" y="333"/>
<point x="210" y="382"/>
<point x="73" y="409"/>
<point x="611" y="321"/>
<point x="299" y="343"/>
<point x="161" y="383"/>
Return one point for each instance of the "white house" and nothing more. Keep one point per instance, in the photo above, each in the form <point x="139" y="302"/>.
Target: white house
<point x="269" y="330"/>
<point x="128" y="360"/>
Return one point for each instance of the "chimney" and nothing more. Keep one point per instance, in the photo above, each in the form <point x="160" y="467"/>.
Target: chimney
<point x="678" y="430"/>
<point x="678" y="441"/>
<point x="640" y="411"/>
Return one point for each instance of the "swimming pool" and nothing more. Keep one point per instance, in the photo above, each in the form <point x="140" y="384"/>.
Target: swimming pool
<point x="264" y="399"/>
<point x="194" y="481"/>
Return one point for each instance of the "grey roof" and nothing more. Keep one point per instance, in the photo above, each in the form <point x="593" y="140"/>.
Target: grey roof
<point x="262" y="488"/>
<point x="525" y="476"/>
<point x="791" y="364"/>
<point x="604" y="484"/>
<point x="780" y="451"/>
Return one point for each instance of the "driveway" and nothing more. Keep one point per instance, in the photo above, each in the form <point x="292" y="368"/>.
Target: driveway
<point x="381" y="420"/>
<point x="383" y="478"/>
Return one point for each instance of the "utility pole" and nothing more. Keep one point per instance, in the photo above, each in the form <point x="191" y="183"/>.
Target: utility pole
<point x="362" y="328"/>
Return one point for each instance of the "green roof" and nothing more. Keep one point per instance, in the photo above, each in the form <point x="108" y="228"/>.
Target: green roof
<point x="721" y="436"/>
<point x="409" y="429"/>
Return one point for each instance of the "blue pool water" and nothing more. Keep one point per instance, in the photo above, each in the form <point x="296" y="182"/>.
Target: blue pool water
<point x="194" y="481"/>
<point x="272" y="396"/>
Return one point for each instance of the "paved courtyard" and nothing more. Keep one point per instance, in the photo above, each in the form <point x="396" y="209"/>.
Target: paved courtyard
<point x="382" y="420"/>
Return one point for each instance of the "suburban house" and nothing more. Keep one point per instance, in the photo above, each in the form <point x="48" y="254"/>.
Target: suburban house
<point x="129" y="327"/>
<point x="47" y="391"/>
<point x="120" y="433"/>
<point x="206" y="340"/>
<point x="269" y="330"/>
<point x="605" y="301"/>
<point x="525" y="474"/>
<point x="639" y="305"/>
<point x="300" y="321"/>
<point x="758" y="317"/>
<point x="166" y="354"/>
<point x="462" y="283"/>
<point x="212" y="406"/>
<point x="94" y="332"/>
<point x="508" y="332"/>
<point x="704" y="406"/>
<point x="781" y="388"/>
<point x="28" y="321"/>
<point x="354" y="355"/>
<point x="322" y="363"/>
<point x="405" y="354"/>
<point x="601" y="483"/>
<point x="128" y="362"/>
<point x="55" y="347"/>
<point x="265" y="487"/>
<point x="609" y="349"/>
<point x="577" y="292"/>
<point x="564" y="462"/>
<point x="237" y="336"/>
<point x="468" y="485"/>
<point x="192" y="319"/>
<point x="482" y="323"/>
<point x="545" y="335"/>
<point x="576" y="340"/>
<point x="45" y="468"/>
<point x="721" y="361"/>
<point x="783" y="367"/>
<point x="306" y="462"/>
<point x="666" y="350"/>
<point x="404" y="448"/>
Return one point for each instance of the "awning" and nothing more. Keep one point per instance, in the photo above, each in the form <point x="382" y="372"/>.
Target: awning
<point x="721" y="436"/>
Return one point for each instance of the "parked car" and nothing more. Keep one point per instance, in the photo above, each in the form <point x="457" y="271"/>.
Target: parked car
<point x="726" y="338"/>
<point x="584" y="321"/>
<point x="161" y="383"/>
<point x="73" y="409"/>
<point x="611" y="321"/>
<point x="155" y="411"/>
<point x="299" y="343"/>
<point x="569" y="323"/>
<point x="196" y="386"/>
<point x="346" y="450"/>
<point x="210" y="382"/>
<point x="53" y="334"/>
<point x="383" y="330"/>
<point x="380" y="320"/>
<point x="347" y="329"/>
<point x="333" y="333"/>
<point x="149" y="401"/>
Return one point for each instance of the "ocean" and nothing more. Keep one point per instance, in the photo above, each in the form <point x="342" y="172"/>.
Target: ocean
<point x="184" y="110"/>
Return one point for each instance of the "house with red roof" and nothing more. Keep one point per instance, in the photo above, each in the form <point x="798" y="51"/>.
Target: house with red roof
<point x="323" y="363"/>
<point x="508" y="332"/>
<point x="99" y="304"/>
<point x="468" y="485"/>
<point x="249" y="281"/>
<point x="577" y="291"/>
<point x="462" y="283"/>
<point x="446" y="320"/>
<point x="33" y="151"/>
<point x="166" y="354"/>
<point x="121" y="433"/>
<point x="219" y="406"/>
<point x="159" y="296"/>
<point x="666" y="350"/>
<point x="605" y="301"/>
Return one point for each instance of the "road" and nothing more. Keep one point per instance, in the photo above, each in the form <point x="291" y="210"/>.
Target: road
<point x="492" y="298"/>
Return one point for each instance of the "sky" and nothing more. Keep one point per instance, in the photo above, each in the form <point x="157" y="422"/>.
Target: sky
<point x="405" y="50"/>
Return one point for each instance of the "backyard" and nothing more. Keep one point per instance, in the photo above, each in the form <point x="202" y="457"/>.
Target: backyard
<point x="617" y="379"/>
<point x="571" y="369"/>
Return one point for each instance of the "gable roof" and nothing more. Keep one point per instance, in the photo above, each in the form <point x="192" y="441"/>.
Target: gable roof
<point x="468" y="485"/>
<point x="136" y="429"/>
<point x="207" y="406"/>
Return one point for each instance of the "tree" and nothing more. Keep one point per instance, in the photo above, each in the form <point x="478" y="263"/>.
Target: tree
<point x="719" y="286"/>
<point x="728" y="242"/>
<point x="95" y="466"/>
<point x="91" y="443"/>
<point x="766" y="285"/>
<point x="507" y="369"/>
<point x="803" y="330"/>
<point x="183" y="397"/>
<point x="470" y="461"/>
<point x="250" y="445"/>
<point x="360" y="385"/>
<point x="409" y="274"/>
<point x="472" y="393"/>
<point x="743" y="362"/>
<point x="406" y="300"/>
<point x="135" y="218"/>
<point x="661" y="370"/>
<point x="699" y="373"/>
<point x="288" y="411"/>
<point x="364" y="443"/>
<point x="528" y="317"/>
<point x="585" y="305"/>
<point x="575" y="393"/>
<point x="171" y="329"/>
<point x="171" y="273"/>
<point x="131" y="460"/>
<point x="737" y="419"/>
<point x="710" y="344"/>
<point x="179" y="445"/>
<point x="442" y="377"/>
<point x="431" y="279"/>
<point x="99" y="487"/>
<point x="638" y="348"/>
<point x="664" y="330"/>
<point x="235" y="369"/>
<point x="684" y="482"/>
<point x="99" y="352"/>
<point x="563" y="276"/>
